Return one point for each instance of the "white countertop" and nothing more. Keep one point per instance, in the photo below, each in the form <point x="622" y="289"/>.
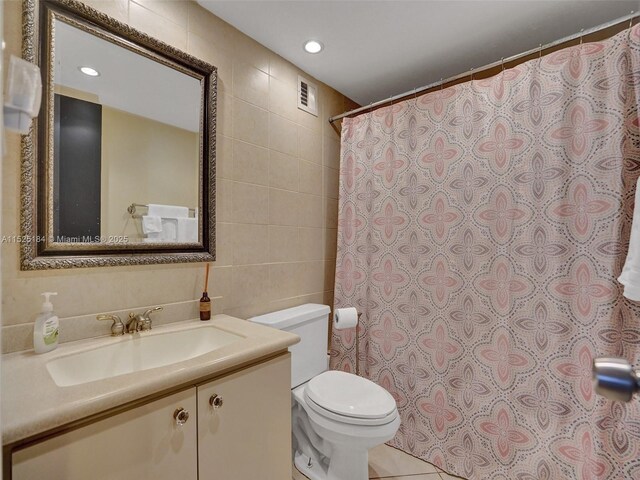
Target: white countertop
<point x="32" y="403"/>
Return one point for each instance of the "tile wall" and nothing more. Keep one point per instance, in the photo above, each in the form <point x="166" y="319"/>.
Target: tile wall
<point x="277" y="191"/>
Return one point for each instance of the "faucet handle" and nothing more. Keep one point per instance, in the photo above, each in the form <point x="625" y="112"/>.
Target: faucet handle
<point x="146" y="319"/>
<point x="151" y="310"/>
<point x="117" y="327"/>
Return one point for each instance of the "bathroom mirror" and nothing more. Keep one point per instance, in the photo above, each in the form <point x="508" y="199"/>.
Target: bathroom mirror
<point x="119" y="167"/>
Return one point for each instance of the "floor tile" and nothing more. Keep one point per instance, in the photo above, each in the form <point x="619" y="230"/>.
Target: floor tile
<point x="386" y="461"/>
<point x="446" y="476"/>
<point x="297" y="475"/>
<point x="424" y="476"/>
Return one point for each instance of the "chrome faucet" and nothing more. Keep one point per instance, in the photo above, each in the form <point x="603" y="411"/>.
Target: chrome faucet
<point x="615" y="378"/>
<point x="140" y="322"/>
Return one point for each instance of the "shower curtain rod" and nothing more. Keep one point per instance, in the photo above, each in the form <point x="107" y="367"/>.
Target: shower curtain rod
<point x="489" y="66"/>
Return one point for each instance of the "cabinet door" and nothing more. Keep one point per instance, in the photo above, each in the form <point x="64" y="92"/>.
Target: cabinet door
<point x="249" y="436"/>
<point x="142" y="443"/>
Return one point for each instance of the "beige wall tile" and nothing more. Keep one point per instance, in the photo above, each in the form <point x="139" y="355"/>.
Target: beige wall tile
<point x="330" y="242"/>
<point x="250" y="84"/>
<point x="283" y="207"/>
<point x="224" y="244"/>
<point x="283" y="135"/>
<point x="283" y="99"/>
<point x="224" y="119"/>
<point x="332" y="101"/>
<point x="157" y="26"/>
<point x="284" y="279"/>
<point x="330" y="181"/>
<point x="250" y="285"/>
<point x="220" y="283"/>
<point x="284" y="71"/>
<point x="331" y="153"/>
<point x="310" y="210"/>
<point x="118" y="9"/>
<point x="311" y="243"/>
<point x="310" y="121"/>
<point x="204" y="49"/>
<point x="175" y="11"/>
<point x="224" y="200"/>
<point x="219" y="33"/>
<point x="250" y="123"/>
<point x="250" y="203"/>
<point x="283" y="171"/>
<point x="224" y="157"/>
<point x="250" y="163"/>
<point x="310" y="145"/>
<point x="250" y="51"/>
<point x="329" y="273"/>
<point x="250" y="244"/>
<point x="310" y="277"/>
<point x="284" y="243"/>
<point x="310" y="178"/>
<point x="331" y="212"/>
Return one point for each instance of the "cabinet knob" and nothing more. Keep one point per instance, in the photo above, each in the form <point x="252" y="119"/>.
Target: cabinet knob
<point x="216" y="401"/>
<point x="181" y="416"/>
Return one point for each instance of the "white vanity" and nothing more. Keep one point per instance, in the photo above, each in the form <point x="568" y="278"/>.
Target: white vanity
<point x="223" y="414"/>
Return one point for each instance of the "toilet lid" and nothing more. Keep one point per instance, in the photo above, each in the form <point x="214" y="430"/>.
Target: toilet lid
<point x="350" y="395"/>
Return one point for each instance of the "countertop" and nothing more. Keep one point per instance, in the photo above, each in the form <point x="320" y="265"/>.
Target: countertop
<point x="33" y="404"/>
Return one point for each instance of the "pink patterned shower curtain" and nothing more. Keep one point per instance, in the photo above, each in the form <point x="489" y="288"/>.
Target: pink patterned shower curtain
<point x="481" y="231"/>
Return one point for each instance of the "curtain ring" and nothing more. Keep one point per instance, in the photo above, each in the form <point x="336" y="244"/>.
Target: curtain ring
<point x="441" y="83"/>
<point x="540" y="53"/>
<point x="502" y="62"/>
<point x="631" y="19"/>
<point x="471" y="70"/>
<point x="581" y="35"/>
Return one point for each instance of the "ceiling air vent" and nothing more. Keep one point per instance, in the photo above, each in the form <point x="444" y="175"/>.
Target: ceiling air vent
<point x="307" y="96"/>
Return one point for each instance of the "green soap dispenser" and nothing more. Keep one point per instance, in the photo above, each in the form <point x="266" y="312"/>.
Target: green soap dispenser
<point x="45" y="330"/>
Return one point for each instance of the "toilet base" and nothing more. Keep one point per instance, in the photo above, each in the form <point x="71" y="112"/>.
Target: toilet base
<point x="313" y="471"/>
<point x="355" y="466"/>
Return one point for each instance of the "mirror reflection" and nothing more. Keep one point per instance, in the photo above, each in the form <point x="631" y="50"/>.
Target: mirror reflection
<point x="126" y="145"/>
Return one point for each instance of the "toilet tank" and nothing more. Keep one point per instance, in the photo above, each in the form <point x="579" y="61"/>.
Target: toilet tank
<point x="311" y="323"/>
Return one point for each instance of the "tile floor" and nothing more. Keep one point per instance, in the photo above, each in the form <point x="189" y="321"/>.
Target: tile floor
<point x="392" y="464"/>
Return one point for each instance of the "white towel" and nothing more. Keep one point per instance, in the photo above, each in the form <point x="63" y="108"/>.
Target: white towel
<point x="170" y="230"/>
<point x="151" y="224"/>
<point x="630" y="276"/>
<point x="167" y="211"/>
<point x="167" y="234"/>
<point x="187" y="230"/>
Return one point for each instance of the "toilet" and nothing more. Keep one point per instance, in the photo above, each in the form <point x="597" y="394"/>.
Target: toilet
<point x="336" y="416"/>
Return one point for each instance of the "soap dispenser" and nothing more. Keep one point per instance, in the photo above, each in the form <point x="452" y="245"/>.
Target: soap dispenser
<point x="45" y="330"/>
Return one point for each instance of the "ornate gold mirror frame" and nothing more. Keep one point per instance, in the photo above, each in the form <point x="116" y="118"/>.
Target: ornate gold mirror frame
<point x="38" y="250"/>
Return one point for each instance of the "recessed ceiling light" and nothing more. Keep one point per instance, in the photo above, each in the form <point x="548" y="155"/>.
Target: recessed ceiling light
<point x="92" y="72"/>
<point x="313" y="46"/>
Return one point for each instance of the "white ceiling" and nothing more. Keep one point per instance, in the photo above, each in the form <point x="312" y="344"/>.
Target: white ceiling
<point x="127" y="81"/>
<point x="375" y="49"/>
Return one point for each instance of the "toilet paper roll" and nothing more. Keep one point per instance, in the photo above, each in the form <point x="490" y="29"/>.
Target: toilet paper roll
<point x="345" y="318"/>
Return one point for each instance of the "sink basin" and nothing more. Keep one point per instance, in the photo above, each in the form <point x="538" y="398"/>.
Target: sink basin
<point x="133" y="353"/>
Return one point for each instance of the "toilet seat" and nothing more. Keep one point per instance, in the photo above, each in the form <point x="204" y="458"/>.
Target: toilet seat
<point x="347" y="420"/>
<point x="350" y="399"/>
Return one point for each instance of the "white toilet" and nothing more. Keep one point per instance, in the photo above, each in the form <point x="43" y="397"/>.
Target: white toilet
<point x="336" y="416"/>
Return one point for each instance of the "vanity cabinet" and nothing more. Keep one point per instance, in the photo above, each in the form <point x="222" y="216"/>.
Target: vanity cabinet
<point x="244" y="424"/>
<point x="243" y="434"/>
<point x="142" y="443"/>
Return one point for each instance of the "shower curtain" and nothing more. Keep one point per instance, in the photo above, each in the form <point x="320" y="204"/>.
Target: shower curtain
<point x="481" y="231"/>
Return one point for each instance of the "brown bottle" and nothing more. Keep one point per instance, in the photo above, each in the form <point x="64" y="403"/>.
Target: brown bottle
<point x="205" y="307"/>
